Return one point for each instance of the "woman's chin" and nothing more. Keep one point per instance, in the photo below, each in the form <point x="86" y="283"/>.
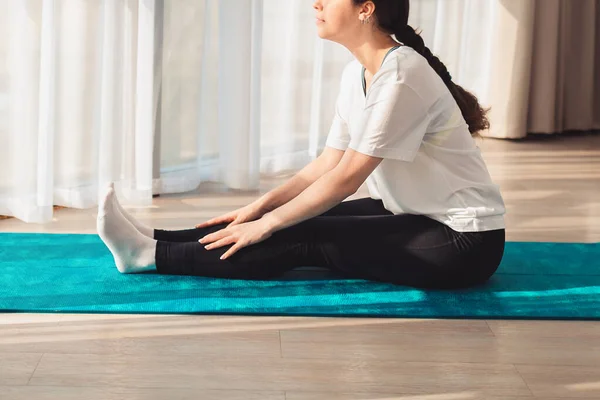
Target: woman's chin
<point x="323" y="34"/>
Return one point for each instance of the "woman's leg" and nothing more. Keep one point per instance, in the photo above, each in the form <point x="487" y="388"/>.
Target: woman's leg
<point x="363" y="207"/>
<point x="408" y="250"/>
<point x="401" y="249"/>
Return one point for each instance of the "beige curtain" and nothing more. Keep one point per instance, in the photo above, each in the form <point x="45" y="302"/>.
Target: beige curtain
<point x="546" y="69"/>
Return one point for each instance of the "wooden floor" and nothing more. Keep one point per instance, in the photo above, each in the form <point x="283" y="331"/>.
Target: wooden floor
<point x="552" y="192"/>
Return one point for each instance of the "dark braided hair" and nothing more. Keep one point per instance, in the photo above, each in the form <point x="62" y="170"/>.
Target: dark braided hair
<point x="392" y="17"/>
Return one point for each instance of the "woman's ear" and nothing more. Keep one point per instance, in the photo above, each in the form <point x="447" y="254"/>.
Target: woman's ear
<point x="367" y="10"/>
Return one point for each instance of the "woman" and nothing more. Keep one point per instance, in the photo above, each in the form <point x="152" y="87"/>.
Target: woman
<point x="434" y="218"/>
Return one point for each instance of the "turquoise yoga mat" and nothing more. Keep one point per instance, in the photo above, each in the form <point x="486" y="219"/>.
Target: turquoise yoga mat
<point x="75" y="274"/>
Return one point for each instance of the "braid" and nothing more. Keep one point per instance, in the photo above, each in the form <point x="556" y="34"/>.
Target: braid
<point x="411" y="38"/>
<point x="474" y="114"/>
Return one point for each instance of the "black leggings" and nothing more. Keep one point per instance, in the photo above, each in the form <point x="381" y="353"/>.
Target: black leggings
<point x="357" y="239"/>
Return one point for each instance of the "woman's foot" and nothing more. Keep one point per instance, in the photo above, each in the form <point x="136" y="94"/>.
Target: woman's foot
<point x="143" y="229"/>
<point x="133" y="252"/>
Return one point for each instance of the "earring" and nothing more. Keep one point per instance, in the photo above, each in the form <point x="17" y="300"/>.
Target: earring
<point x="366" y="20"/>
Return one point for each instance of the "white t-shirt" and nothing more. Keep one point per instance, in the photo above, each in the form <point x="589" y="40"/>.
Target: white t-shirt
<point x="431" y="165"/>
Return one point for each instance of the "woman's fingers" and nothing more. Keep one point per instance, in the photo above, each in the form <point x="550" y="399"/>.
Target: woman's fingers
<point x="236" y="221"/>
<point x="206" y="224"/>
<point x="214" y="221"/>
<point x="213" y="237"/>
<point x="232" y="250"/>
<point x="220" y="243"/>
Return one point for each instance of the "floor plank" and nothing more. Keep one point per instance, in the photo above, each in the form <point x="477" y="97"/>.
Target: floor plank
<point x="17" y="369"/>
<point x="587" y="331"/>
<point x="276" y="374"/>
<point x="566" y="381"/>
<point x="123" y="393"/>
<point x="13" y="320"/>
<point x="380" y="344"/>
<point x="462" y="395"/>
<point x="144" y="341"/>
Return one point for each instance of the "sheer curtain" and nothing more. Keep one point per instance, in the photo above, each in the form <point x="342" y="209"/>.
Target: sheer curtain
<point x="160" y="96"/>
<point x="247" y="93"/>
<point x="75" y="103"/>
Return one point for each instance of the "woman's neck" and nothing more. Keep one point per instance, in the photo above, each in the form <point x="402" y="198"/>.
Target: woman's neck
<point x="370" y="53"/>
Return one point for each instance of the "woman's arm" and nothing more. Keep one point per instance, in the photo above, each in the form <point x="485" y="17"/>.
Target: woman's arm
<point x="279" y="196"/>
<point x="326" y="192"/>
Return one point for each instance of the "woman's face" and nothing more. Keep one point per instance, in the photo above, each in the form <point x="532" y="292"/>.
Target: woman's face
<point x="337" y="20"/>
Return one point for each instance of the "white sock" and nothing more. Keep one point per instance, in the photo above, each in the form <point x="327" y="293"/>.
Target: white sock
<point x="132" y="251"/>
<point x="144" y="229"/>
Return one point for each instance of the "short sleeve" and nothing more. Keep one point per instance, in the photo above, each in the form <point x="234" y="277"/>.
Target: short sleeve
<point x="338" y="136"/>
<point x="393" y="123"/>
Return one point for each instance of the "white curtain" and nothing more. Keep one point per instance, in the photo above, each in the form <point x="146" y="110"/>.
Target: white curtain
<point x="160" y="96"/>
<point x="75" y="103"/>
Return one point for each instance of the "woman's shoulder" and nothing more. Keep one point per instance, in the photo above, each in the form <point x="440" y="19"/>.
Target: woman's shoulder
<point x="404" y="65"/>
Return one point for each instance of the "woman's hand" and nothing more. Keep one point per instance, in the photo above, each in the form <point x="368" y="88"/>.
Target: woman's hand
<point x="242" y="235"/>
<point x="247" y="213"/>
